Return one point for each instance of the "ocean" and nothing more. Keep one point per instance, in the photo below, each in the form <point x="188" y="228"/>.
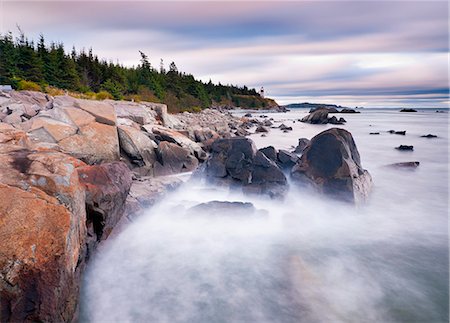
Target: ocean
<point x="306" y="258"/>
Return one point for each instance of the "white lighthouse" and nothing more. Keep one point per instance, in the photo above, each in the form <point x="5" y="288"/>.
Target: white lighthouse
<point x="261" y="92"/>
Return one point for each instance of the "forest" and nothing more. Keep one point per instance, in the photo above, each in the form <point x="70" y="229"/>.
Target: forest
<point x="48" y="67"/>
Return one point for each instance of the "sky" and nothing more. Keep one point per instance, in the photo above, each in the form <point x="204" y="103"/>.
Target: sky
<point x="353" y="53"/>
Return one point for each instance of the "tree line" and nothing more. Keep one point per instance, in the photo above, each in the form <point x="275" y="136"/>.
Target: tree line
<point x="25" y="64"/>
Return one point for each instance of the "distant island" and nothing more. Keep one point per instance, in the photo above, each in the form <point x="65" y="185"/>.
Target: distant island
<point x="307" y="105"/>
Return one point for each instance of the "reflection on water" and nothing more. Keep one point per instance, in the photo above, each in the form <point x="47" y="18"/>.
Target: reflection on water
<point x="304" y="259"/>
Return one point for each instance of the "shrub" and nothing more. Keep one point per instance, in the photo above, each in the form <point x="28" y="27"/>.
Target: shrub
<point x="133" y="97"/>
<point x="28" y="85"/>
<point x="89" y="95"/>
<point x="103" y="95"/>
<point x="53" y="91"/>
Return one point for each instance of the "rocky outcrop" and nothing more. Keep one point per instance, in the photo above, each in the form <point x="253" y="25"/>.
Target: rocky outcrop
<point x="320" y="116"/>
<point x="66" y="169"/>
<point x="329" y="109"/>
<point x="408" y="110"/>
<point x="331" y="164"/>
<point x="429" y="136"/>
<point x="53" y="210"/>
<point x="237" y="162"/>
<point x="42" y="229"/>
<point x="37" y="273"/>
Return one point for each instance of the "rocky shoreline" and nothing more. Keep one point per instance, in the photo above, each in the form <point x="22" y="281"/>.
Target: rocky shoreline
<point x="74" y="171"/>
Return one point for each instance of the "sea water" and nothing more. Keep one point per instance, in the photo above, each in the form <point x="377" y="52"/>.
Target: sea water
<point x="304" y="259"/>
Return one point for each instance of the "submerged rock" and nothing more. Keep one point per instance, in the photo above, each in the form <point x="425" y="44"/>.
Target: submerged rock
<point x="331" y="164"/>
<point x="223" y="208"/>
<point x="410" y="165"/>
<point x="429" y="136"/>
<point x="408" y="110"/>
<point x="405" y="148"/>
<point x="403" y="132"/>
<point x="284" y="127"/>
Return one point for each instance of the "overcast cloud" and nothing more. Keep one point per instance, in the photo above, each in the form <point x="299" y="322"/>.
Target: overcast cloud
<point x="370" y="53"/>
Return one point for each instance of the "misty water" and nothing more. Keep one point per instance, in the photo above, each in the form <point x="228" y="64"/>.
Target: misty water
<point x="304" y="259"/>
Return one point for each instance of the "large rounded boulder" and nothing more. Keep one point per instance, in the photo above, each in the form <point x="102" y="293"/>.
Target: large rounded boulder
<point x="331" y="164"/>
<point x="236" y="161"/>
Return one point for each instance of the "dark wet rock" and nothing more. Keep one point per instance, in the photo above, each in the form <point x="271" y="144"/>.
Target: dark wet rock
<point x="331" y="164"/>
<point x="374" y="133"/>
<point x="429" y="136"/>
<point x="349" y="111"/>
<point x="302" y="144"/>
<point x="267" y="123"/>
<point x="407" y="165"/>
<point x="284" y="127"/>
<point x="408" y="110"/>
<point x="405" y="148"/>
<point x="261" y="129"/>
<point x="263" y="135"/>
<point x="287" y="159"/>
<point x="248" y="115"/>
<point x="334" y="120"/>
<point x="403" y="132"/>
<point x="236" y="161"/>
<point x="319" y="116"/>
<point x="270" y="153"/>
